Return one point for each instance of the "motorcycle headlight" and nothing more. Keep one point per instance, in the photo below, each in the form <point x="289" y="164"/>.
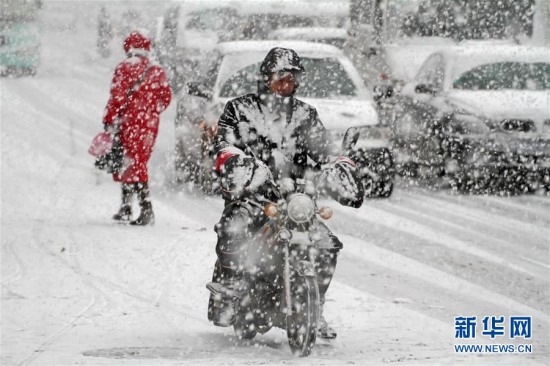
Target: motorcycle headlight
<point x="300" y="208"/>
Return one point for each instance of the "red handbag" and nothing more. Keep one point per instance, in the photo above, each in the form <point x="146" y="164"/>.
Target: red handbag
<point x="101" y="144"/>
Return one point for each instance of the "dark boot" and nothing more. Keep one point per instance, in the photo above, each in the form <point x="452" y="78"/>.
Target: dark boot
<point x="146" y="216"/>
<point x="221" y="306"/>
<point x="234" y="230"/>
<point x="325" y="271"/>
<point x="125" y="212"/>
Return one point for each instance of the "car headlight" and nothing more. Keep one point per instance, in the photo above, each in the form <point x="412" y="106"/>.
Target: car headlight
<point x="300" y="208"/>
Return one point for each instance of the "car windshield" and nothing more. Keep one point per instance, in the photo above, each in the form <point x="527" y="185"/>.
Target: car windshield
<point x="506" y="75"/>
<point x="324" y="78"/>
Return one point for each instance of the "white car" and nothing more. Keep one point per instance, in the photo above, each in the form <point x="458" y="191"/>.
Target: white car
<point x="331" y="84"/>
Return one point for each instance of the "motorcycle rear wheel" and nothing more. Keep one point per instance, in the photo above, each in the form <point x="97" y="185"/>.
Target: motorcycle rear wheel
<point x="302" y="324"/>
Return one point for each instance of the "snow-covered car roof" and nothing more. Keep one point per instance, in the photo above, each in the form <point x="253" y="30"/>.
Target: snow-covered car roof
<point x="305" y="33"/>
<point x="466" y="57"/>
<point x="301" y="47"/>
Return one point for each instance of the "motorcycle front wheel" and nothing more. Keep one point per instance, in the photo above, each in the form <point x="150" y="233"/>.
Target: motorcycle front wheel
<point x="301" y="327"/>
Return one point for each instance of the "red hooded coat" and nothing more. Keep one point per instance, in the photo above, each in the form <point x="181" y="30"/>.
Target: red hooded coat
<point x="138" y="114"/>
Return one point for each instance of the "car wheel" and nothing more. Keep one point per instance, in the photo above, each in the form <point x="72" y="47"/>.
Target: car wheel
<point x="380" y="189"/>
<point x="386" y="189"/>
<point x="368" y="186"/>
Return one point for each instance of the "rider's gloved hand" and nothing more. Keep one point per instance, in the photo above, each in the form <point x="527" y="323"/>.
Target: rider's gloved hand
<point x="341" y="181"/>
<point x="242" y="174"/>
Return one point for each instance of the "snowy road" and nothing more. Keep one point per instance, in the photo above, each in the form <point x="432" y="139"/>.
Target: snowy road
<point x="79" y="289"/>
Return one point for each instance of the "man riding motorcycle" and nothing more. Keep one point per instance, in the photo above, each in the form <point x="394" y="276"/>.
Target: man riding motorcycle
<point x="267" y="136"/>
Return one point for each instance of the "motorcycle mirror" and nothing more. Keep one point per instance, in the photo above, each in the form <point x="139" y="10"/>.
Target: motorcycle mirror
<point x="350" y="138"/>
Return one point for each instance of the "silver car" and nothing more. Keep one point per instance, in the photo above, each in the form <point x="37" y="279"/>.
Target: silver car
<point x="479" y="116"/>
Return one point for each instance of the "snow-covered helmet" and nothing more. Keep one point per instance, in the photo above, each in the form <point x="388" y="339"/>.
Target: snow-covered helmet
<point x="136" y="42"/>
<point x="279" y="59"/>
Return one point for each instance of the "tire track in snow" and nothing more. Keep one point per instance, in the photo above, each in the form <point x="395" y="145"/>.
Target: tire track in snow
<point x="463" y="232"/>
<point x="19" y="270"/>
<point x="413" y="243"/>
<point x="75" y="267"/>
<point x="37" y="229"/>
<point x="411" y="227"/>
<point x="510" y="203"/>
<point x="499" y="221"/>
<point x="46" y="344"/>
<point x="368" y="252"/>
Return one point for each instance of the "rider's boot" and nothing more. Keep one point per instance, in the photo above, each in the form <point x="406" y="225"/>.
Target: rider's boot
<point x="325" y="272"/>
<point x="233" y="231"/>
<point x="125" y="212"/>
<point x="325" y="330"/>
<point x="224" y="285"/>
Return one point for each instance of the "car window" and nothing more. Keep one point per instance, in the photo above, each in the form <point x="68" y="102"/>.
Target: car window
<point x="506" y="75"/>
<point x="431" y="72"/>
<point x="324" y="78"/>
<point x="242" y="82"/>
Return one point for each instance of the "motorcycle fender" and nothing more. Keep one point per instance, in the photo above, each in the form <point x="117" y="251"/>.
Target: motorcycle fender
<point x="304" y="268"/>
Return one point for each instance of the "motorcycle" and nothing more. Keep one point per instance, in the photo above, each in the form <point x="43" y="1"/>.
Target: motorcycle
<point x="279" y="286"/>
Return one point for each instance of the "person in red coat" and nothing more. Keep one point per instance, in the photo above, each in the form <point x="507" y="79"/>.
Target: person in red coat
<point x="139" y="93"/>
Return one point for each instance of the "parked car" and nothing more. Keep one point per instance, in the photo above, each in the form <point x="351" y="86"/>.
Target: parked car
<point x="19" y="38"/>
<point x="479" y="116"/>
<point x="331" y="84"/>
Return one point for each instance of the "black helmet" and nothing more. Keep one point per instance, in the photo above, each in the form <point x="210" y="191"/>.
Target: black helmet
<point x="281" y="59"/>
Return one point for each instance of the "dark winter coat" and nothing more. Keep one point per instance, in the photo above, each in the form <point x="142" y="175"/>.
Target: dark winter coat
<point x="138" y="114"/>
<point x="282" y="133"/>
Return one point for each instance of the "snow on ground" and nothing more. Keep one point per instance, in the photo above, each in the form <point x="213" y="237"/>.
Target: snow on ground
<point x="80" y="289"/>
